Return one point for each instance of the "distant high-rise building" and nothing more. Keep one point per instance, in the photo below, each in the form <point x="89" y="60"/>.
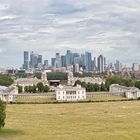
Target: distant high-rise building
<point x="83" y="63"/>
<point x="35" y="60"/>
<point x="58" y="60"/>
<point x="88" y="61"/>
<point x="101" y="64"/>
<point x="46" y="64"/>
<point x="68" y="58"/>
<point x="63" y="61"/>
<point x="53" y="62"/>
<point x="118" y="66"/>
<point x="26" y="60"/>
<point x="136" y="67"/>
<point x="39" y="65"/>
<point x="40" y="59"/>
<point x="77" y="60"/>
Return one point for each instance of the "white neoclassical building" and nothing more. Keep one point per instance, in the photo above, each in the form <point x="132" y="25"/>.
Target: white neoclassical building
<point x="128" y="92"/>
<point x="7" y="93"/>
<point x="69" y="93"/>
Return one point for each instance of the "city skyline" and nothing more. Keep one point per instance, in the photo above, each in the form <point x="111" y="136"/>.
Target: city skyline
<point x="103" y="27"/>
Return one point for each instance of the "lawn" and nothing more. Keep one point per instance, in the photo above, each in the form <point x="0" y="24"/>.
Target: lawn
<point x="88" y="121"/>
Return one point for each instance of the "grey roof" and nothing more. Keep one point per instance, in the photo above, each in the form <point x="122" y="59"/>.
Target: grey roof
<point x="69" y="88"/>
<point x="124" y="87"/>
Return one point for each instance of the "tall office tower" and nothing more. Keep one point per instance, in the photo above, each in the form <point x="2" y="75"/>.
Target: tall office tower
<point x="74" y="56"/>
<point x="26" y="60"/>
<point x="39" y="65"/>
<point x="105" y="64"/>
<point x="136" y="67"/>
<point x="101" y="64"/>
<point x="46" y="64"/>
<point x="40" y="59"/>
<point x="68" y="58"/>
<point x="53" y="62"/>
<point x="58" y="60"/>
<point x="77" y="60"/>
<point x="94" y="64"/>
<point x="118" y="66"/>
<point x="83" y="63"/>
<point x="63" y="61"/>
<point x="33" y="60"/>
<point x="88" y="61"/>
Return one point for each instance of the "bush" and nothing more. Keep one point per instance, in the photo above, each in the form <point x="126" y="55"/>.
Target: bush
<point x="2" y="114"/>
<point x="5" y="80"/>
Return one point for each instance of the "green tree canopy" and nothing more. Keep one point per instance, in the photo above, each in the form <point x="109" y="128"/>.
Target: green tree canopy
<point x="5" y="80"/>
<point x="40" y="87"/>
<point x="2" y="114"/>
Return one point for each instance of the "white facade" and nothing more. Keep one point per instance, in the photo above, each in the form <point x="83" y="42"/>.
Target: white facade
<point x="128" y="92"/>
<point x="7" y="93"/>
<point x="70" y="93"/>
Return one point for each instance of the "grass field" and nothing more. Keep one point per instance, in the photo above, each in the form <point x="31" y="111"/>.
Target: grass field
<point x="89" y="121"/>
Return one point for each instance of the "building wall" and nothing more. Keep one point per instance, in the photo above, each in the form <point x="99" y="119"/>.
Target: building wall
<point x="73" y="95"/>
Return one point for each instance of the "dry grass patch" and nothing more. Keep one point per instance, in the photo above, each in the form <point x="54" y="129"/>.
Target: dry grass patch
<point x="91" y="121"/>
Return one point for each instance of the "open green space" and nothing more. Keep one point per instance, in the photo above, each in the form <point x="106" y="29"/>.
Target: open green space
<point x="88" y="121"/>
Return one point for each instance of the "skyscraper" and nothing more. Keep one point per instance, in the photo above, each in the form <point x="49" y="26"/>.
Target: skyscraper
<point x="101" y="64"/>
<point x="88" y="61"/>
<point x="53" y="62"/>
<point x="35" y="60"/>
<point x="63" y="61"/>
<point x="58" y="60"/>
<point x="118" y="66"/>
<point x="26" y="60"/>
<point x="68" y="58"/>
<point x="46" y="64"/>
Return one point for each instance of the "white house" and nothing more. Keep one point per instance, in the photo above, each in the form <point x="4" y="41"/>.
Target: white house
<point x="128" y="92"/>
<point x="69" y="93"/>
<point x="7" y="93"/>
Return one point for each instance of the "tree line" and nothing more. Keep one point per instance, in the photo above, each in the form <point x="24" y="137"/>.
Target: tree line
<point x="90" y="87"/>
<point x="5" y="80"/>
<point x="39" y="88"/>
<point x="2" y="114"/>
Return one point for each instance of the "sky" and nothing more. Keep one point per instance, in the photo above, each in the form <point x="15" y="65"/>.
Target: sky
<point x="108" y="27"/>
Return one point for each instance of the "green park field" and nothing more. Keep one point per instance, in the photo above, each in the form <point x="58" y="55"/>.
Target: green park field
<point x="76" y="121"/>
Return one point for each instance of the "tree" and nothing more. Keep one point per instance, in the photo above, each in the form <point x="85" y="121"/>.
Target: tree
<point x="96" y="87"/>
<point x="2" y="114"/>
<point x="26" y="89"/>
<point x="137" y="84"/>
<point x="102" y="87"/>
<point x="78" y="82"/>
<point x="5" y="80"/>
<point x="83" y="84"/>
<point x="46" y="88"/>
<point x="34" y="88"/>
<point x="19" y="89"/>
<point x="90" y="87"/>
<point x="40" y="87"/>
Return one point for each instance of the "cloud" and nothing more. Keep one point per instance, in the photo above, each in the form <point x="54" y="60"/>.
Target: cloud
<point x="101" y="26"/>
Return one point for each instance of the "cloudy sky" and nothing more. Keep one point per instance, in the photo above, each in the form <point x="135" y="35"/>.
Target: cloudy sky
<point x="110" y="27"/>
